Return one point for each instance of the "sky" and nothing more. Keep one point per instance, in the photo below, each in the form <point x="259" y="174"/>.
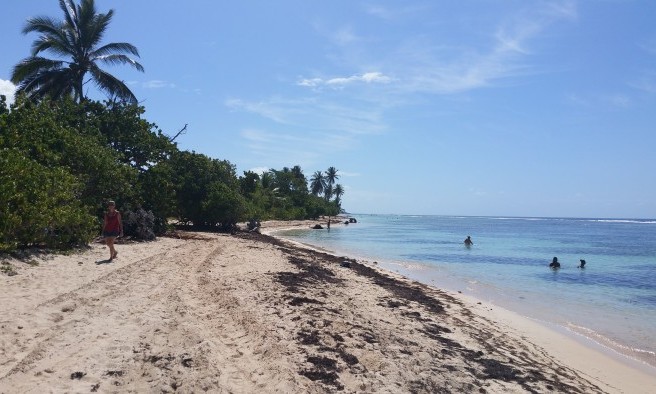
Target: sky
<point x="477" y="107"/>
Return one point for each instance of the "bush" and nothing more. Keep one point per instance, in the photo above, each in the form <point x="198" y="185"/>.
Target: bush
<point x="40" y="205"/>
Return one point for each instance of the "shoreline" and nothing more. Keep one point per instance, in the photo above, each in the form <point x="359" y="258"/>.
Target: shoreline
<point x="254" y="313"/>
<point x="573" y="337"/>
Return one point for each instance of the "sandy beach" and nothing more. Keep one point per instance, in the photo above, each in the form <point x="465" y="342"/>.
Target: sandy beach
<point x="250" y="313"/>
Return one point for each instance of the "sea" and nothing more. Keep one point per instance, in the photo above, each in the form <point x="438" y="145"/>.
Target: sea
<point x="611" y="303"/>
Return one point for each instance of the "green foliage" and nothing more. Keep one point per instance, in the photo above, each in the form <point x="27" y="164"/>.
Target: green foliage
<point x="223" y="205"/>
<point x="139" y="143"/>
<point x="195" y="176"/>
<point x="61" y="134"/>
<point x="3" y="105"/>
<point x="40" y="205"/>
<point x="61" y="161"/>
<point x="159" y="192"/>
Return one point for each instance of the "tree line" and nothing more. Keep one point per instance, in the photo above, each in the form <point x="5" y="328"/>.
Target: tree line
<point x="60" y="161"/>
<point x="62" y="156"/>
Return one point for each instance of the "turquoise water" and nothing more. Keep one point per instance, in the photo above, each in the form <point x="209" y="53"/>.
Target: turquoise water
<point x="612" y="300"/>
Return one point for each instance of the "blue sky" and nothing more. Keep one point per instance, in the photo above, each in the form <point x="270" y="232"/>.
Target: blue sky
<point x="478" y="107"/>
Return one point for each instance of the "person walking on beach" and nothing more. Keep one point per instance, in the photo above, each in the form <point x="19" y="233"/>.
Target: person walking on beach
<point x="554" y="263"/>
<point x="112" y="228"/>
<point x="468" y="241"/>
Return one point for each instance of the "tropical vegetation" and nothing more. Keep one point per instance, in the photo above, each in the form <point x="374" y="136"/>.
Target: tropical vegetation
<point x="60" y="161"/>
<point x="76" y="42"/>
<point x="62" y="155"/>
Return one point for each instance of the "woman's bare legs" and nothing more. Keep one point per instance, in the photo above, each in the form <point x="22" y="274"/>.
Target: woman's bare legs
<point x="110" y="243"/>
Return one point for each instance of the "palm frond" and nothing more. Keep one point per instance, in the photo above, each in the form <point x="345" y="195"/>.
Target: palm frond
<point x="43" y="25"/>
<point x="32" y="66"/>
<point x="53" y="83"/>
<point x="112" y="85"/>
<point x="95" y="29"/>
<point x="68" y="8"/>
<point x="115" y="47"/>
<point x="118" y="60"/>
<point x="56" y="45"/>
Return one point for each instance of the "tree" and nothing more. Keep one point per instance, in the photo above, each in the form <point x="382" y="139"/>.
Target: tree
<point x="49" y="133"/>
<point x="338" y="192"/>
<point x="40" y="205"/>
<point x="76" y="39"/>
<point x="331" y="176"/>
<point x="317" y="183"/>
<point x="197" y="178"/>
<point x="3" y="104"/>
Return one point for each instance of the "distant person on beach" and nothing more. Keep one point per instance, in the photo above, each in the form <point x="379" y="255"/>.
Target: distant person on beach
<point x="112" y="228"/>
<point x="468" y="241"/>
<point x="582" y="264"/>
<point x="554" y="263"/>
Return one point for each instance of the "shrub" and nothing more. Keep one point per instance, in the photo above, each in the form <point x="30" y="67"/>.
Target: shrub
<point x="40" y="205"/>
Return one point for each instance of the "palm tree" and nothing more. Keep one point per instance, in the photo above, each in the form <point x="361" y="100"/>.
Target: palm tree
<point x="331" y="176"/>
<point x="338" y="192"/>
<point x="328" y="192"/>
<point x="298" y="172"/>
<point x="317" y="183"/>
<point x="76" y="39"/>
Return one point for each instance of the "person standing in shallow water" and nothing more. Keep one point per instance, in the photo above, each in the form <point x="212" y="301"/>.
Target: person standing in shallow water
<point x="112" y="228"/>
<point x="554" y="263"/>
<point x="468" y="241"/>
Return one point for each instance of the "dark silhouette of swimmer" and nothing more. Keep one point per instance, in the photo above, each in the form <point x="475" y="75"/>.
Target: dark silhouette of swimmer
<point x="468" y="241"/>
<point x="582" y="264"/>
<point x="554" y="263"/>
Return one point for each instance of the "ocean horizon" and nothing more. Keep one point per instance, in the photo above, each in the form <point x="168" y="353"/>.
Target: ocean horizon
<point x="612" y="301"/>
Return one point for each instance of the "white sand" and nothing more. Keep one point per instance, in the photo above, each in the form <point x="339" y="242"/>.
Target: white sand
<point x="244" y="315"/>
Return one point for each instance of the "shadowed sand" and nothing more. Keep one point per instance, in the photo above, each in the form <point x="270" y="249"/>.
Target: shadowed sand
<point x="251" y="313"/>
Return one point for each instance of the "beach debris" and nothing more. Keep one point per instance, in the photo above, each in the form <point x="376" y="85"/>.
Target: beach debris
<point x="95" y="387"/>
<point x="323" y="370"/>
<point x="296" y="301"/>
<point x="114" y="373"/>
<point x="345" y="264"/>
<point x="77" y="375"/>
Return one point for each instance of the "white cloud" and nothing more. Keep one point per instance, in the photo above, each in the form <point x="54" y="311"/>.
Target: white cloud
<point x="423" y="63"/>
<point x="259" y="170"/>
<point x="8" y="89"/>
<point x="283" y="148"/>
<point x="645" y="82"/>
<point x="311" y="114"/>
<point x="577" y="100"/>
<point x="276" y="109"/>
<point x="470" y="68"/>
<point x="338" y="82"/>
<point x="396" y="13"/>
<point x="564" y="9"/>
<point x="618" y="100"/>
<point x="345" y="36"/>
<point x="348" y="174"/>
<point x="157" y="84"/>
